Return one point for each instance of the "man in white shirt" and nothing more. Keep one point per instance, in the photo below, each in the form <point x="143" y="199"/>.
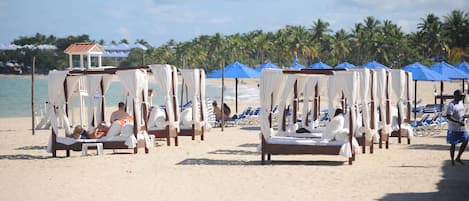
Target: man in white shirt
<point x="456" y="127"/>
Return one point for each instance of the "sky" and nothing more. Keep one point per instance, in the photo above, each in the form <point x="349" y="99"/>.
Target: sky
<point x="158" y="21"/>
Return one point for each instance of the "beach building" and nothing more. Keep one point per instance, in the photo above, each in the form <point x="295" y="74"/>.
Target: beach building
<point x="84" y="49"/>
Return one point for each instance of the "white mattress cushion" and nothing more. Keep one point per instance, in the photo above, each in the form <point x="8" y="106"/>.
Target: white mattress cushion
<point x="115" y="129"/>
<point x="186" y="117"/>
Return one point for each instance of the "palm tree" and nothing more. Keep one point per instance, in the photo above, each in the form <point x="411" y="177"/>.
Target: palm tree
<point x="340" y="45"/>
<point x="319" y="28"/>
<point x="431" y="30"/>
<point x="455" y="28"/>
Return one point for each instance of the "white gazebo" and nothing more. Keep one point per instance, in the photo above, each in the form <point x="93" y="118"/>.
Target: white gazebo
<point x="82" y="49"/>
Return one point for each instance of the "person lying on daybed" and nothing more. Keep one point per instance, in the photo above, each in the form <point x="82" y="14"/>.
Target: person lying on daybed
<point x="80" y="133"/>
<point x="102" y="130"/>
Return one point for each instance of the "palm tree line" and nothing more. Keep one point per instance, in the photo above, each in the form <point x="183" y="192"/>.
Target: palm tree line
<point x="437" y="39"/>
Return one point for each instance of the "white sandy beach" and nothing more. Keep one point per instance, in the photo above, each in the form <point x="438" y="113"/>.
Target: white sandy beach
<point x="226" y="166"/>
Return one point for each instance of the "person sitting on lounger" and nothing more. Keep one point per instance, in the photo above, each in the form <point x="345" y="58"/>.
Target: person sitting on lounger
<point x="120" y="113"/>
<point x="80" y="133"/>
<point x="217" y="110"/>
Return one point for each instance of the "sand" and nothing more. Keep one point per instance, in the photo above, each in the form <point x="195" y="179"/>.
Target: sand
<point x="226" y="166"/>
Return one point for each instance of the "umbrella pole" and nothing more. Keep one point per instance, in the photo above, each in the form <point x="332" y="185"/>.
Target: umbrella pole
<point x="222" y="94"/>
<point x="236" y="95"/>
<point x="415" y="101"/>
<point x="463" y="92"/>
<point x="441" y="92"/>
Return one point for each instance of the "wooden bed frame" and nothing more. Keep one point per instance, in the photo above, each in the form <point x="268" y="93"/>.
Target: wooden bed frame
<point x="287" y="149"/>
<point x="77" y="146"/>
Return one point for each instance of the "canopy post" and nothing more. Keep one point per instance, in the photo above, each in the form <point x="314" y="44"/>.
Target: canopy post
<point x="441" y="93"/>
<point x="236" y="94"/>
<point x="33" y="123"/>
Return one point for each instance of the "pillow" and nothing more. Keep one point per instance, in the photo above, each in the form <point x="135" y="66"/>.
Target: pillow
<point x="160" y="117"/>
<point x="186" y="117"/>
<point x="128" y="119"/>
<point x="115" y="129"/>
<point x="127" y="130"/>
<point x="334" y="126"/>
<point x="342" y="135"/>
<point x="153" y="116"/>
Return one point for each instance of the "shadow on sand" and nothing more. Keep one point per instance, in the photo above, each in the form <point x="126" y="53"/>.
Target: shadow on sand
<point x="453" y="186"/>
<point x="234" y="152"/>
<point x="23" y="157"/>
<point x="35" y="147"/>
<point x="435" y="147"/>
<point x="206" y="161"/>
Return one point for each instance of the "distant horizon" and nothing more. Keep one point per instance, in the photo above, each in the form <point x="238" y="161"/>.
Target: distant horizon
<point x="159" y="21"/>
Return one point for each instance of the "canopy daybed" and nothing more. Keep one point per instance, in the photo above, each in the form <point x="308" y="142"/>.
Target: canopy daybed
<point x="167" y="125"/>
<point x="62" y="85"/>
<point x="275" y="89"/>
<point x="401" y="82"/>
<point x="193" y="119"/>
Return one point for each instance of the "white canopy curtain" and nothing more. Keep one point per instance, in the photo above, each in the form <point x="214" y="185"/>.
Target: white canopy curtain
<point x="164" y="77"/>
<point x="270" y="82"/>
<point x="192" y="81"/>
<point x="56" y="95"/>
<point x="309" y="92"/>
<point x="286" y="90"/>
<point x="399" y="89"/>
<point x="383" y="77"/>
<point x="346" y="83"/>
<point x="106" y="81"/>
<point x="92" y="86"/>
<point x="365" y="103"/>
<point x="135" y="82"/>
<point x="402" y="91"/>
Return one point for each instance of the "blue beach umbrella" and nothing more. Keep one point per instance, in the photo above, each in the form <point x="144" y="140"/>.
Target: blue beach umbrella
<point x="448" y="70"/>
<point x="345" y="65"/>
<point x="266" y="65"/>
<point x="375" y="64"/>
<point x="319" y="65"/>
<point x="422" y="73"/>
<point x="464" y="66"/>
<point x="235" y="70"/>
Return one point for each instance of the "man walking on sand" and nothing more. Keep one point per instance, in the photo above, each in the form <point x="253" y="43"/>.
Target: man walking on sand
<point x="456" y="127"/>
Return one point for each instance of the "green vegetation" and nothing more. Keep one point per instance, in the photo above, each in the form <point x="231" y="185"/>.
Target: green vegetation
<point x="445" y="38"/>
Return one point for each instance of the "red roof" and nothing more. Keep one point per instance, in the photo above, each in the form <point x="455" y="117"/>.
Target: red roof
<point x="81" y="47"/>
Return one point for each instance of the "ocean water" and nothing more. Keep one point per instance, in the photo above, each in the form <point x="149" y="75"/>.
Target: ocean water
<point x="15" y="94"/>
